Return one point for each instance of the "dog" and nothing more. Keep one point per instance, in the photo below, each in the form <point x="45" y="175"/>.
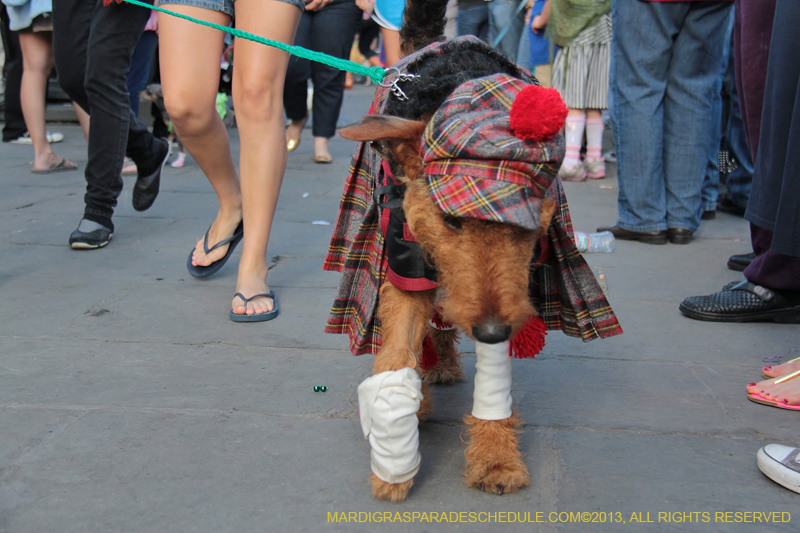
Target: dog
<point x="454" y="219"/>
<point x="153" y="93"/>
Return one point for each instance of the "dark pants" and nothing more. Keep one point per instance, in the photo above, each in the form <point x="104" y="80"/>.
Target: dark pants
<point x="331" y="31"/>
<point x="93" y="46"/>
<point x="12" y="70"/>
<point x="368" y="31"/>
<point x="141" y="67"/>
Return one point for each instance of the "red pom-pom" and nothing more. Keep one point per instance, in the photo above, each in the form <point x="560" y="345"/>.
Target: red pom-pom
<point x="537" y="113"/>
<point x="530" y="339"/>
<point x="429" y="358"/>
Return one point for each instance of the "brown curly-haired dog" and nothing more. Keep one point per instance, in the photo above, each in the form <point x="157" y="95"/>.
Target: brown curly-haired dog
<point x="483" y="275"/>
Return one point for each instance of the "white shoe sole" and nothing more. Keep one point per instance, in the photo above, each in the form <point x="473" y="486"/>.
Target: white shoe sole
<point x="84" y="246"/>
<point x="777" y="472"/>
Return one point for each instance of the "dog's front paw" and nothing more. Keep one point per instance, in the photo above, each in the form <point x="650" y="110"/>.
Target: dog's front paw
<point x="494" y="463"/>
<point x="393" y="492"/>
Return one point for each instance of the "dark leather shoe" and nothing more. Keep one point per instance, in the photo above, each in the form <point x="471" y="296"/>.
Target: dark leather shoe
<point x="679" y="236"/>
<point x="708" y="215"/>
<point x="744" y="302"/>
<point x="89" y="241"/>
<point x="147" y="183"/>
<point x="648" y="237"/>
<point x="740" y="262"/>
<point x="725" y="205"/>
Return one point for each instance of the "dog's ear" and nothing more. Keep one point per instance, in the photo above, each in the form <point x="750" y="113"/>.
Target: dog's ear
<point x="401" y="136"/>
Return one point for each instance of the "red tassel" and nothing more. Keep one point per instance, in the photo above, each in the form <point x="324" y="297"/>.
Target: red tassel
<point x="530" y="339"/>
<point x="537" y="113"/>
<point x="429" y="357"/>
<point x="438" y="323"/>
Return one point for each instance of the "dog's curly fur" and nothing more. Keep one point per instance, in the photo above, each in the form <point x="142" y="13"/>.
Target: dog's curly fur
<point x="483" y="267"/>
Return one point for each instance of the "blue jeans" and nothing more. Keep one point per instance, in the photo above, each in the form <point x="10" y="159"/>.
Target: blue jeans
<point x="141" y="67"/>
<point x="665" y="64"/>
<point x="473" y="20"/>
<point x="503" y="13"/>
<point x="740" y="180"/>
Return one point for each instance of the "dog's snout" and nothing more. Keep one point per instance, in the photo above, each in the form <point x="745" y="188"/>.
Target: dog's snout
<point x="491" y="332"/>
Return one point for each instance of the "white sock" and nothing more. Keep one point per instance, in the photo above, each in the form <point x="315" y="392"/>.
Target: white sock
<point x="594" y="137"/>
<point x="88" y="226"/>
<point x="575" y="125"/>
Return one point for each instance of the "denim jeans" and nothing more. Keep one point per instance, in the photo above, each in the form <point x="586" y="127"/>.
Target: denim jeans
<point x="329" y="30"/>
<point x="141" y="67"/>
<point x="92" y="45"/>
<point x="734" y="140"/>
<point x="503" y="13"/>
<point x="473" y="20"/>
<point x="665" y="63"/>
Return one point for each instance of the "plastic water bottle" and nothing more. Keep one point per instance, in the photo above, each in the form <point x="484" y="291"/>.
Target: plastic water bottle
<point x="594" y="242"/>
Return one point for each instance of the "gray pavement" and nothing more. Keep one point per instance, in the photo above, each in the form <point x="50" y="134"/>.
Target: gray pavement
<point x="130" y="402"/>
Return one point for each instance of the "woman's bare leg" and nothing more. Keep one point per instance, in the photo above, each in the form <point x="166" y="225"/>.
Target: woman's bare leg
<point x="83" y="119"/>
<point x="258" y="99"/>
<point x="189" y="55"/>
<point x="37" y="63"/>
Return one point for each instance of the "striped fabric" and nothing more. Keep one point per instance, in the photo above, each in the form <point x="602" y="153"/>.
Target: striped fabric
<point x="580" y="71"/>
<point x="563" y="287"/>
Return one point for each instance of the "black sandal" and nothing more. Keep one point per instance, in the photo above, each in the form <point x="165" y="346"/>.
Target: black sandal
<point x="257" y="317"/>
<point x="205" y="271"/>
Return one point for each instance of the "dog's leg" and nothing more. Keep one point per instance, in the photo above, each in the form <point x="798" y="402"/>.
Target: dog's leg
<point x="404" y="321"/>
<point x="448" y="371"/>
<point x="493" y="461"/>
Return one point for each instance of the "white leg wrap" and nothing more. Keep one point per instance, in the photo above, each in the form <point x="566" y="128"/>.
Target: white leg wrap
<point x="388" y="403"/>
<point x="492" y="398"/>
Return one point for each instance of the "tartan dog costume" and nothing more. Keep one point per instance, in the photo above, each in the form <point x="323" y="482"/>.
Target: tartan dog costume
<point x="477" y="165"/>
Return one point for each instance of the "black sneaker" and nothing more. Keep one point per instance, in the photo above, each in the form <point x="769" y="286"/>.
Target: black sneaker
<point x="89" y="241"/>
<point x="146" y="188"/>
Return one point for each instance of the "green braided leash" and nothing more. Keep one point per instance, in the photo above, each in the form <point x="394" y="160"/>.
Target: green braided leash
<point x="376" y="74"/>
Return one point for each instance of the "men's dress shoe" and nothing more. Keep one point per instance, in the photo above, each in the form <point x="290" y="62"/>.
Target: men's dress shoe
<point x="146" y="188"/>
<point x="708" y="215"/>
<point x="725" y="205"/>
<point x="744" y="302"/>
<point x="740" y="262"/>
<point x="98" y="238"/>
<point x="679" y="236"/>
<point x="648" y="237"/>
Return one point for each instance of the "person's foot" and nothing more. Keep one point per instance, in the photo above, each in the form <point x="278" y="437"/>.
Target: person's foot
<point x="745" y="302"/>
<point x="294" y="133"/>
<point x="322" y="153"/>
<point x="740" y="262"/>
<point x="648" y="237"/>
<point x="224" y="226"/>
<point x="781" y="464"/>
<point x="148" y="180"/>
<point x="787" y="393"/>
<point x="781" y="370"/>
<point x="708" y="214"/>
<point x="679" y="236"/>
<point x="595" y="168"/>
<point x="573" y="173"/>
<point x="25" y="138"/>
<point x="249" y="286"/>
<point x="725" y="205"/>
<point x="179" y="161"/>
<point x="90" y="235"/>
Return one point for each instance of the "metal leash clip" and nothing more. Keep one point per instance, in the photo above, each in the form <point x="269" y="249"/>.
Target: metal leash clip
<point x="393" y="85"/>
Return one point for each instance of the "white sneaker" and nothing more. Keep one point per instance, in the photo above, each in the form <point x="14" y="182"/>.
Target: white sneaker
<point x="781" y="464"/>
<point x="25" y="138"/>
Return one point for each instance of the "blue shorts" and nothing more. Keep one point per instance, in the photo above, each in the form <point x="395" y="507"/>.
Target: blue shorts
<point x="223" y="6"/>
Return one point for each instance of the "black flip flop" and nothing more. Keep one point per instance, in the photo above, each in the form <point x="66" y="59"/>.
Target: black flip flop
<point x="61" y="166"/>
<point x="258" y="317"/>
<point x="205" y="271"/>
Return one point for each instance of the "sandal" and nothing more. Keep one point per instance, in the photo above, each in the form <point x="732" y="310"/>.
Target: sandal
<point x="257" y="317"/>
<point x="772" y="402"/>
<point x="61" y="166"/>
<point x="292" y="144"/>
<point x="205" y="271"/>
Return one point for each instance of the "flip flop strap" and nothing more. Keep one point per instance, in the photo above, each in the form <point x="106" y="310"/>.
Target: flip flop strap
<point x="270" y="294"/>
<point x="208" y="250"/>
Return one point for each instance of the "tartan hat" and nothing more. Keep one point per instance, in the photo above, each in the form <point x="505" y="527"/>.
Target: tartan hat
<point x="493" y="149"/>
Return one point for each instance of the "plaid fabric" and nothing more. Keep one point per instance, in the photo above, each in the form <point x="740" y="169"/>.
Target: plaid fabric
<point x="563" y="288"/>
<point x="476" y="168"/>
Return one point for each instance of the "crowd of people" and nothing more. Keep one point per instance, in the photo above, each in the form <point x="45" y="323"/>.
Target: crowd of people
<point x="702" y="98"/>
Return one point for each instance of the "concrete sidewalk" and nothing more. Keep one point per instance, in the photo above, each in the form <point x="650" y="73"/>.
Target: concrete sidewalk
<point x="130" y="402"/>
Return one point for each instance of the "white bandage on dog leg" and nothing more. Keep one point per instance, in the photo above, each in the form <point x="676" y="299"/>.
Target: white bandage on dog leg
<point x="492" y="397"/>
<point x="388" y="403"/>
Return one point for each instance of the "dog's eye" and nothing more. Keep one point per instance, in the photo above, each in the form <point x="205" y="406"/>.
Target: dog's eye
<point x="452" y="222"/>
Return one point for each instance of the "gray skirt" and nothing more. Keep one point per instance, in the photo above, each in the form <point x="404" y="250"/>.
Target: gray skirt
<point x="580" y="70"/>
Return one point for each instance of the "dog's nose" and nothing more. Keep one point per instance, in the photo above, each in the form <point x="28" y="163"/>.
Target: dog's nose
<point x="491" y="332"/>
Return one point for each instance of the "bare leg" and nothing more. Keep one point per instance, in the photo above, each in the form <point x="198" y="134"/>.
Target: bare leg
<point x="391" y="44"/>
<point x="189" y="56"/>
<point x="37" y="61"/>
<point x="258" y="98"/>
<point x="83" y="119"/>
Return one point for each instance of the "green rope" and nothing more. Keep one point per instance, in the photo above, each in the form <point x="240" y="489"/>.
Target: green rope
<point x="376" y="74"/>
